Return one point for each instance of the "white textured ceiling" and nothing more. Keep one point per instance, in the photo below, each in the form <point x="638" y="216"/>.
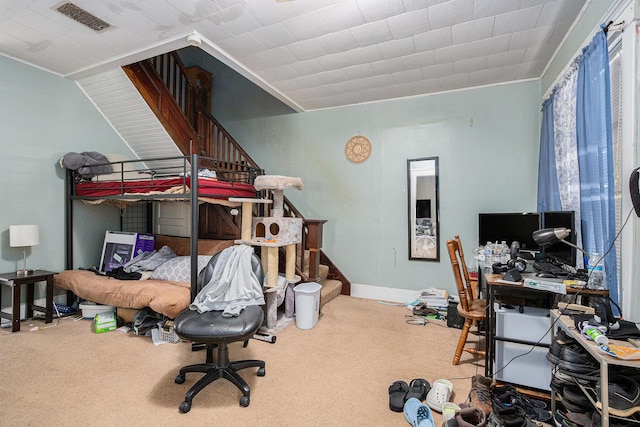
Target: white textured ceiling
<point x="311" y="54"/>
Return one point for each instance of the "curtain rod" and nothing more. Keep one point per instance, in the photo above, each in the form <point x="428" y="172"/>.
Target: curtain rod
<point x="619" y="26"/>
<point x="608" y="27"/>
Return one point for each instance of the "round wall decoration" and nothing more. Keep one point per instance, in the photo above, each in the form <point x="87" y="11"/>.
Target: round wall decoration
<point x="357" y="149"/>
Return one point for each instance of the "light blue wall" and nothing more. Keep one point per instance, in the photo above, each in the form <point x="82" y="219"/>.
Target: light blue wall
<point x="44" y="117"/>
<point x="486" y="140"/>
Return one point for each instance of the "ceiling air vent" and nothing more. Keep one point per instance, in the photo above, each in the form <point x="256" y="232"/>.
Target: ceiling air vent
<point x="82" y="16"/>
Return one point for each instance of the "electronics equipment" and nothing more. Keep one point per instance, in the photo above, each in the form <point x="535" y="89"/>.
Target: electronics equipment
<point x="512" y="275"/>
<point x="499" y="268"/>
<point x="560" y="252"/>
<point x="518" y="264"/>
<point x="634" y="190"/>
<point x="547" y="267"/>
<point x="510" y="227"/>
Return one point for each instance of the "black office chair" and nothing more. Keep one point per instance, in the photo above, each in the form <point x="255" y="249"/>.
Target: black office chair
<point x="211" y="330"/>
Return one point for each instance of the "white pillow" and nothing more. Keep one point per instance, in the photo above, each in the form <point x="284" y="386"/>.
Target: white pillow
<point x="178" y="269"/>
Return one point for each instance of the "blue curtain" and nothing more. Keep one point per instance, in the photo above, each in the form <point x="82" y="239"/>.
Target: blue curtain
<point x="595" y="157"/>
<point x="548" y="191"/>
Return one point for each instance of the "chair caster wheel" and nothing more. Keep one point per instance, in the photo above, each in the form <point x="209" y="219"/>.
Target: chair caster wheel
<point x="179" y="380"/>
<point x="261" y="372"/>
<point x="244" y="401"/>
<point x="185" y="407"/>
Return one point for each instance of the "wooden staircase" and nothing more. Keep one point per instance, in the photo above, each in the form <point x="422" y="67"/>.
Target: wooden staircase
<point x="180" y="98"/>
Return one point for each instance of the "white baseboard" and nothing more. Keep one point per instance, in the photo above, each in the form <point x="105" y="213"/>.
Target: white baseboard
<point x="384" y="294"/>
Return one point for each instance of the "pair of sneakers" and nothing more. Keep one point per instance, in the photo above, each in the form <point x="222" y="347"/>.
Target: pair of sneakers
<point x="509" y="403"/>
<point x="419" y="415"/>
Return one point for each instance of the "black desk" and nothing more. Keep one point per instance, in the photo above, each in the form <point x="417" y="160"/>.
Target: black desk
<point x="494" y="286"/>
<point x="16" y="282"/>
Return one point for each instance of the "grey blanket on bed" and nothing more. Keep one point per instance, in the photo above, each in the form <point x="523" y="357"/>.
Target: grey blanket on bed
<point x="87" y="163"/>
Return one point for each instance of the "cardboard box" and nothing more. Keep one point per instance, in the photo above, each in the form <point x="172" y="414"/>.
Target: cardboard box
<point x="105" y="322"/>
<point x="127" y="314"/>
<point x="120" y="247"/>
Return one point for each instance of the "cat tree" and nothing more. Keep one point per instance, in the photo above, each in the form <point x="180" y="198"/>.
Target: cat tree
<point x="270" y="234"/>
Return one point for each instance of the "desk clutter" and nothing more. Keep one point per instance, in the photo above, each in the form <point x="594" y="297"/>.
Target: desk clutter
<point x="576" y="360"/>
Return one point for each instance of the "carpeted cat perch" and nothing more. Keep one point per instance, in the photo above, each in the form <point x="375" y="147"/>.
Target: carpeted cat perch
<point x="271" y="233"/>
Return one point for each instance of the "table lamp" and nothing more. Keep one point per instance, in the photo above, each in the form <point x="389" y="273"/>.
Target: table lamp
<point x="23" y="236"/>
<point x="549" y="236"/>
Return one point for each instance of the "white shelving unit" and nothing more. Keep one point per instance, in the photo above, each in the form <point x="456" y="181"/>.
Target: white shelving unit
<point x="567" y="324"/>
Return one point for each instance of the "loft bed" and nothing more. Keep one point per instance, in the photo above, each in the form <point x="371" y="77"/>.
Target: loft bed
<point x="122" y="182"/>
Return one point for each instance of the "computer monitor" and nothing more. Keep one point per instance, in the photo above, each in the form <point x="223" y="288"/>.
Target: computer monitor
<point x="496" y="227"/>
<point x="561" y="252"/>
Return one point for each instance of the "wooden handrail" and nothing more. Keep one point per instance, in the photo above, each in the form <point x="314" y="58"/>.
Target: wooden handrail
<point x="164" y="83"/>
<point x="174" y="75"/>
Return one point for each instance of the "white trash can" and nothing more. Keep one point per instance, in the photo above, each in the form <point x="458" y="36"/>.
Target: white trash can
<point x="307" y="304"/>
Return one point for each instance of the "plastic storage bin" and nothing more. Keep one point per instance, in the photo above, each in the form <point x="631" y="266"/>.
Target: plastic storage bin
<point x="90" y="309"/>
<point x="307" y="298"/>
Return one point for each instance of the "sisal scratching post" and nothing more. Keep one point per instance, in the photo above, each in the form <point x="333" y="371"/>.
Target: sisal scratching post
<point x="247" y="208"/>
<point x="270" y="292"/>
<point x="272" y="267"/>
<point x="290" y="262"/>
<point x="264" y="255"/>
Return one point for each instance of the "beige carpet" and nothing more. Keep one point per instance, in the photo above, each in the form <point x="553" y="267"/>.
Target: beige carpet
<point x="336" y="374"/>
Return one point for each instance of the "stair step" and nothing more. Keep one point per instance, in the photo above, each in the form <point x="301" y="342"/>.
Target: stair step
<point x="330" y="289"/>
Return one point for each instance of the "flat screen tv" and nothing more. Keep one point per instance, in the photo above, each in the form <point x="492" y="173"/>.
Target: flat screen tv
<point x="496" y="227"/>
<point x="560" y="252"/>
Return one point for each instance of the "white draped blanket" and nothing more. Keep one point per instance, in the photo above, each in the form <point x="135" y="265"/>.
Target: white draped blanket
<point x="233" y="284"/>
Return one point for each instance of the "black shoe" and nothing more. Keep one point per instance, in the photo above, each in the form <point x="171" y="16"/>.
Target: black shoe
<point x="561" y="380"/>
<point x="576" y="360"/>
<point x="575" y="397"/>
<point x="508" y="401"/>
<point x="560" y="340"/>
<point x="497" y="420"/>
<point x="624" y="396"/>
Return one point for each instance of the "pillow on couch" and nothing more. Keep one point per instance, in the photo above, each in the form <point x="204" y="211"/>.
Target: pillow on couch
<point x="178" y="269"/>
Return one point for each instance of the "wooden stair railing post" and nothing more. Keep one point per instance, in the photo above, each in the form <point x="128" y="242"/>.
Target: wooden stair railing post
<point x="314" y="244"/>
<point x="175" y="94"/>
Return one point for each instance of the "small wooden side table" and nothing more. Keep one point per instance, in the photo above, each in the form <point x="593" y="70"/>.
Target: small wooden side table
<point x="16" y="282"/>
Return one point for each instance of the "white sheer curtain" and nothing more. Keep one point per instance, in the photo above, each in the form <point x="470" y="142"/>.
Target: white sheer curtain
<point x="566" y="149"/>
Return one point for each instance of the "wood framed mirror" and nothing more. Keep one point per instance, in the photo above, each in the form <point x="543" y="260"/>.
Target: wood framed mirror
<point x="424" y="208"/>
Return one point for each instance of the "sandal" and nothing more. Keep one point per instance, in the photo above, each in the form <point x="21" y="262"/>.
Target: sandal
<point x="422" y="310"/>
<point x="439" y="394"/>
<point x="397" y="395"/>
<point x="418" y="414"/>
<point x="418" y="388"/>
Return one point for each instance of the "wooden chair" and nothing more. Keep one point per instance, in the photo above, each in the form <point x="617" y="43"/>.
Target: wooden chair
<point x="473" y="310"/>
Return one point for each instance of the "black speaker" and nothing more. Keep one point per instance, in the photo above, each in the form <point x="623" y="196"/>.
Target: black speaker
<point x="633" y="189"/>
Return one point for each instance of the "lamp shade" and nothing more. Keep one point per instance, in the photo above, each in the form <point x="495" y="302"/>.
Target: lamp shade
<point x="549" y="236"/>
<point x="24" y="235"/>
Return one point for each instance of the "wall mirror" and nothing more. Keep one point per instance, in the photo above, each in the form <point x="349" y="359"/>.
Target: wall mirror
<point x="424" y="218"/>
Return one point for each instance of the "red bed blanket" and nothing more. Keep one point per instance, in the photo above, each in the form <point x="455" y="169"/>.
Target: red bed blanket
<point x="207" y="187"/>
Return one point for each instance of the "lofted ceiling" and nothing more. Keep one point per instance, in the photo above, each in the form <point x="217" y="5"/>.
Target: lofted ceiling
<point x="310" y="54"/>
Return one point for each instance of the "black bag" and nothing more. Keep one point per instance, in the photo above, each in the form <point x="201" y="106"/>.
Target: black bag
<point x="454" y="320"/>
